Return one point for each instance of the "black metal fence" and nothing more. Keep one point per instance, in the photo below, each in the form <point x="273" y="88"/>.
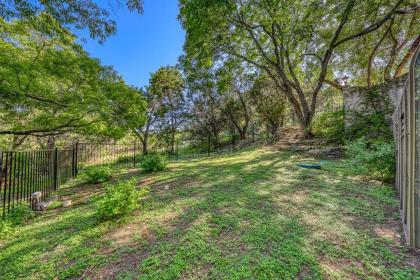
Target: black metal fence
<point x="24" y="172"/>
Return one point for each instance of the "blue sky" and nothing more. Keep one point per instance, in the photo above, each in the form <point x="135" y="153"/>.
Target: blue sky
<point x="143" y="43"/>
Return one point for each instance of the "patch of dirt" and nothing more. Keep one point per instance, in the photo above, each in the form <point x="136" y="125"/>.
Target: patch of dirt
<point x="198" y="273"/>
<point x="297" y="198"/>
<point x="146" y="181"/>
<point x="344" y="266"/>
<point x="184" y="182"/>
<point x="123" y="236"/>
<point x="390" y="232"/>
<point x="127" y="262"/>
<point x="81" y="194"/>
<point x="327" y="153"/>
<point x="414" y="258"/>
<point x="304" y="273"/>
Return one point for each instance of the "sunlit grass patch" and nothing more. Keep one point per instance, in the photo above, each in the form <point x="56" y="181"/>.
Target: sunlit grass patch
<point x="248" y="215"/>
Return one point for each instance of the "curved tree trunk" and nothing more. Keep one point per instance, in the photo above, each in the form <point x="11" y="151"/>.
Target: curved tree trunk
<point x="144" y="146"/>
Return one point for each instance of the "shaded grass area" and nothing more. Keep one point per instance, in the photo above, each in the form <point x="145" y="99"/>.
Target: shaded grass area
<point x="247" y="215"/>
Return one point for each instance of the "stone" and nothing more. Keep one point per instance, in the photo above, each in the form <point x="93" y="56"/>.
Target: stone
<point x="36" y="200"/>
<point x="356" y="102"/>
<point x="67" y="203"/>
<point x="43" y="206"/>
<point x="166" y="187"/>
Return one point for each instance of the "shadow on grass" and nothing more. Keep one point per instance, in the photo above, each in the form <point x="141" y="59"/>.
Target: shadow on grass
<point x="248" y="215"/>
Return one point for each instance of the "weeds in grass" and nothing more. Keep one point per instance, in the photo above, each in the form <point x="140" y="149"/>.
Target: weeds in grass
<point x="18" y="215"/>
<point x="247" y="215"/>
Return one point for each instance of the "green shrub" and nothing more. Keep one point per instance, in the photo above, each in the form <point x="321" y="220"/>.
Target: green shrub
<point x="153" y="163"/>
<point x="97" y="174"/>
<point x="5" y="228"/>
<point x="376" y="157"/>
<point x="330" y="126"/>
<point x="119" y="200"/>
<point x="375" y="125"/>
<point x="19" y="215"/>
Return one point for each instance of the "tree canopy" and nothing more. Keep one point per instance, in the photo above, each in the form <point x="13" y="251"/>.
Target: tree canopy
<point x="293" y="42"/>
<point x="78" y="14"/>
<point x="50" y="86"/>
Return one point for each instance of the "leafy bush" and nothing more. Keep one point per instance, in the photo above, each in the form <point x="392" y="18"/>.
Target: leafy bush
<point x="375" y="123"/>
<point x="153" y="163"/>
<point x="330" y="126"/>
<point x="119" y="200"/>
<point x="377" y="157"/>
<point x="5" y="228"/>
<point x="372" y="126"/>
<point x="97" y="174"/>
<point x="20" y="214"/>
<point x="17" y="216"/>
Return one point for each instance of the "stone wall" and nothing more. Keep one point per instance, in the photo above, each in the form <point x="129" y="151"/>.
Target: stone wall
<point x="359" y="101"/>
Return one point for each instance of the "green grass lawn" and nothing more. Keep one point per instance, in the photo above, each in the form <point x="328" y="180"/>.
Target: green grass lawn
<point x="248" y="215"/>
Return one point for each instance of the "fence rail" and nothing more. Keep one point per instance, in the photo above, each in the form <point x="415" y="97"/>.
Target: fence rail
<point x="24" y="172"/>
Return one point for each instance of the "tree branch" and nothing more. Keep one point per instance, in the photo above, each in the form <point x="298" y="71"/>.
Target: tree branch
<point x="407" y="57"/>
<point x="371" y="28"/>
<point x="328" y="53"/>
<point x="372" y="55"/>
<point x="46" y="131"/>
<point x="334" y="84"/>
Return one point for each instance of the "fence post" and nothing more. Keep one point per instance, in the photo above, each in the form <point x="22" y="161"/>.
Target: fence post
<point x="1" y="182"/>
<point x="209" y="145"/>
<point x="233" y="142"/>
<point x="72" y="162"/>
<point x="55" y="169"/>
<point x="134" y="154"/>
<point x="76" y="159"/>
<point x="177" y="149"/>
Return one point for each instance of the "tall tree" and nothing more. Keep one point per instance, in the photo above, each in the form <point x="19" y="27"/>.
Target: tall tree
<point x="78" y="14"/>
<point x="49" y="86"/>
<point x="152" y="114"/>
<point x="205" y="117"/>
<point x="167" y="84"/>
<point x="293" y="42"/>
<point x="270" y="104"/>
<point x="234" y="87"/>
<point x="381" y="55"/>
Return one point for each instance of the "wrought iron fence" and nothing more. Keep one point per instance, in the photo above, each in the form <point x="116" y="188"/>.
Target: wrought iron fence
<point x="24" y="172"/>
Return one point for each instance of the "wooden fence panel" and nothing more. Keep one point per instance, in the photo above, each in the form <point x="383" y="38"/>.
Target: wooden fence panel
<point x="406" y="120"/>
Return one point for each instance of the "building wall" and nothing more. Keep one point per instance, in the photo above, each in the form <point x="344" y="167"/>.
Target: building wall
<point x="356" y="99"/>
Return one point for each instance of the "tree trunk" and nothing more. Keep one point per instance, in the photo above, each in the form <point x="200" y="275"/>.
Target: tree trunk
<point x="173" y="141"/>
<point x="273" y="129"/>
<point x="144" y="145"/>
<point x="305" y="126"/>
<point x="306" y="132"/>
<point x="216" y="137"/>
<point x="50" y="143"/>
<point x="18" y="140"/>
<point x="242" y="133"/>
